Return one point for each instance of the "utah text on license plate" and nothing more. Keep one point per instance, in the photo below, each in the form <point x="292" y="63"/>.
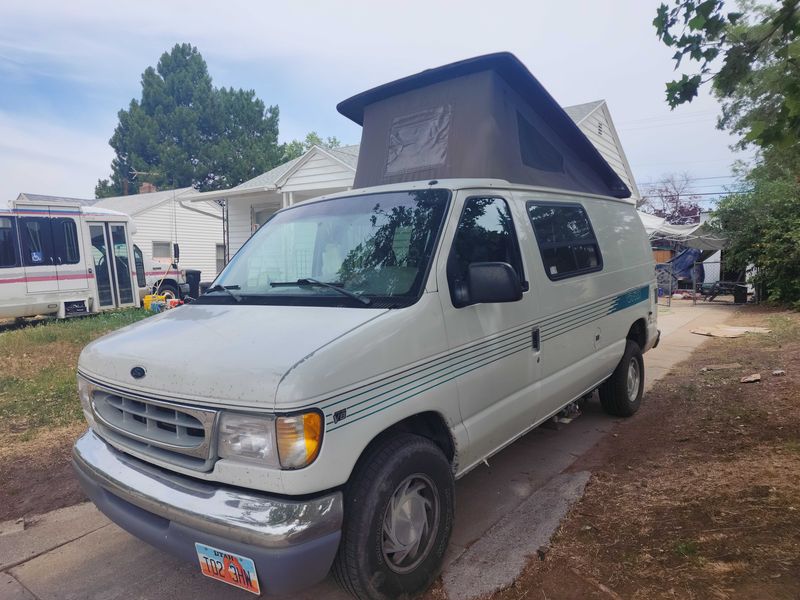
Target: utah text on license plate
<point x="235" y="570"/>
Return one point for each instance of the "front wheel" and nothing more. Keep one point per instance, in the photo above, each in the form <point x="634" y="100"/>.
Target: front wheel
<point x="621" y="394"/>
<point x="170" y="290"/>
<point x="399" y="511"/>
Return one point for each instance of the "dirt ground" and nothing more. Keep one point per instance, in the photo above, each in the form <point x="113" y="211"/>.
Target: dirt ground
<point x="37" y="474"/>
<point x="698" y="496"/>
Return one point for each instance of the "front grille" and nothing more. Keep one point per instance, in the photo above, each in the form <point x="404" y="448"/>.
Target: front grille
<point x="169" y="432"/>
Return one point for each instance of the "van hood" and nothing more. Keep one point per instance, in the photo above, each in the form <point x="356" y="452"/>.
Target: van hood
<point x="218" y="354"/>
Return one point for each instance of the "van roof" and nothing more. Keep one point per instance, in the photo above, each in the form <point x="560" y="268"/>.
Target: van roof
<point x="462" y="184"/>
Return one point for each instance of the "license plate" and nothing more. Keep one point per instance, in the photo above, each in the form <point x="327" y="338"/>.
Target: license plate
<point x="230" y="568"/>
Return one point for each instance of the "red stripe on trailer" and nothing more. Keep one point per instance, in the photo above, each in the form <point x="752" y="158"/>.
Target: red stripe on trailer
<point x="48" y="278"/>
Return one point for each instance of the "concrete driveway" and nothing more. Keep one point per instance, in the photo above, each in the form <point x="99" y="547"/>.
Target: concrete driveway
<point x="77" y="553"/>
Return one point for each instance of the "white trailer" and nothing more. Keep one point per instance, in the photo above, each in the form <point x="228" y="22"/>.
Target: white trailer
<point x="64" y="259"/>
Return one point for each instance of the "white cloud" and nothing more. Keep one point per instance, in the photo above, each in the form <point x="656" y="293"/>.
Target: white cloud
<point x="40" y="156"/>
<point x="306" y="56"/>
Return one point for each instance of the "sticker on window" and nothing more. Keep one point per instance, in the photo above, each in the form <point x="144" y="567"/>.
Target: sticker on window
<point x="37" y="257"/>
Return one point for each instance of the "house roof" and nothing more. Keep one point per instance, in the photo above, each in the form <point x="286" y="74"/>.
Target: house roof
<point x="137" y="203"/>
<point x="346" y="154"/>
<point x="578" y="112"/>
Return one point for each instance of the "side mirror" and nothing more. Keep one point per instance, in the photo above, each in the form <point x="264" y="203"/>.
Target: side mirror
<point x="490" y="282"/>
<point x="176" y="253"/>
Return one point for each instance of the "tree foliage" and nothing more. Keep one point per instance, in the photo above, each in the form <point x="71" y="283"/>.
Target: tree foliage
<point x="750" y="55"/>
<point x="763" y="229"/>
<point x="671" y="198"/>
<point x="184" y="131"/>
<point x="297" y="148"/>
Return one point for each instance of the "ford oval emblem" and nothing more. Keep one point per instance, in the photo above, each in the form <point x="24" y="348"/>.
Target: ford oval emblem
<point x="138" y="372"/>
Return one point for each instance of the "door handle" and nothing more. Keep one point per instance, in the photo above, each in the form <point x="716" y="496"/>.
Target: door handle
<point x="535" y="339"/>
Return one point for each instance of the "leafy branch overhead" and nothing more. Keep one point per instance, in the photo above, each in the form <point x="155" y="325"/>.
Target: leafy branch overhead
<point x="750" y="57"/>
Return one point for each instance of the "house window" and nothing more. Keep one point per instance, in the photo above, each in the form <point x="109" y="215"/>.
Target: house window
<point x="220" y="257"/>
<point x="566" y="239"/>
<point x="8" y="243"/>
<point x="162" y="251"/>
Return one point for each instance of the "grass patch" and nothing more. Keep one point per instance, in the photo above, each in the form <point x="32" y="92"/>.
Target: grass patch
<point x="687" y="548"/>
<point x="37" y="379"/>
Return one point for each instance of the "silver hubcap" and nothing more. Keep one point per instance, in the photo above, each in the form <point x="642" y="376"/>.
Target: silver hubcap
<point x="633" y="380"/>
<point x="410" y="523"/>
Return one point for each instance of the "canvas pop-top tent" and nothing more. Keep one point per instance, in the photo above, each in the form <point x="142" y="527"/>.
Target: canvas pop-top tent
<point x="484" y="117"/>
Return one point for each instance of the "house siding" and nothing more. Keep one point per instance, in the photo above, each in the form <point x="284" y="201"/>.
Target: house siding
<point x="197" y="234"/>
<point x="605" y="143"/>
<point x="317" y="173"/>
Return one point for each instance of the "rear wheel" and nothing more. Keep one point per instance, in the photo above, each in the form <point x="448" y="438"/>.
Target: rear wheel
<point x="621" y="394"/>
<point x="170" y="290"/>
<point x="399" y="511"/>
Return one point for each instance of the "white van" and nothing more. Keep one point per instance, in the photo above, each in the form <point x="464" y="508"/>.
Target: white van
<point x="360" y="353"/>
<point x="64" y="260"/>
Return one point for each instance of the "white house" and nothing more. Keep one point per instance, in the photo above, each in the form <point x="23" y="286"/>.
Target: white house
<point x="164" y="218"/>
<point x="323" y="171"/>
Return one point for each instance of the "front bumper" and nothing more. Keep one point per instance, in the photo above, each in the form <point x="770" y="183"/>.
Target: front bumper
<point x="292" y="542"/>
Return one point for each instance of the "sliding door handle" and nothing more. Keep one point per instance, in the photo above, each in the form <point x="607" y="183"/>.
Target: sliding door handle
<point x="535" y="339"/>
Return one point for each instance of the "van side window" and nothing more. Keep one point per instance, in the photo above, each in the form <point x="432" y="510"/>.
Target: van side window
<point x="485" y="234"/>
<point x="37" y="241"/>
<point x="566" y="239"/>
<point x="65" y="241"/>
<point x="8" y="243"/>
<point x="138" y="261"/>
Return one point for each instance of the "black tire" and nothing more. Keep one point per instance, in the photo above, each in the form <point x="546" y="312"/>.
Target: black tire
<point x="362" y="566"/>
<point x="170" y="290"/>
<point x="617" y="397"/>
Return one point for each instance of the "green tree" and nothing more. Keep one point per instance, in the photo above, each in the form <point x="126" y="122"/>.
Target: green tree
<point x="296" y="148"/>
<point x="750" y="56"/>
<point x="184" y="131"/>
<point x="762" y="224"/>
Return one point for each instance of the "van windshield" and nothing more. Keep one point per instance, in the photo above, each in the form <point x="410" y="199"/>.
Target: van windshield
<point x="362" y="251"/>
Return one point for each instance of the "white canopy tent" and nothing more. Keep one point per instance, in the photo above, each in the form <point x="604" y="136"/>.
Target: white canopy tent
<point x="698" y="235"/>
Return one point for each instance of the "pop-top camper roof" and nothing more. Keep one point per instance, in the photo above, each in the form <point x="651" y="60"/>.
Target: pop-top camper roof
<point x="484" y="117"/>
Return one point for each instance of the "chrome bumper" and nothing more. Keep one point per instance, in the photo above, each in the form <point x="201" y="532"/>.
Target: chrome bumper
<point x="230" y="513"/>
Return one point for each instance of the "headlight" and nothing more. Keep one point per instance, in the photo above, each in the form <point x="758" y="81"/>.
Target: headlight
<point x="299" y="438"/>
<point x="289" y="442"/>
<point x="85" y="391"/>
<point x="251" y="437"/>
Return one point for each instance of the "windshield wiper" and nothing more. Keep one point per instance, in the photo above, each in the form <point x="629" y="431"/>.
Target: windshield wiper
<point x="325" y="284"/>
<point x="227" y="289"/>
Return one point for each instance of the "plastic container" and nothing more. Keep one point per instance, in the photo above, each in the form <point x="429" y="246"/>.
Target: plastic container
<point x="149" y="299"/>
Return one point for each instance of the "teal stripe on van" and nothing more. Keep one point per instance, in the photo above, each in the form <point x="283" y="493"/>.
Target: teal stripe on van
<point x="369" y="399"/>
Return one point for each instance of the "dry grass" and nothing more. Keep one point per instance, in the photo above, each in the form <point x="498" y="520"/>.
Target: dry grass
<point x="698" y="496"/>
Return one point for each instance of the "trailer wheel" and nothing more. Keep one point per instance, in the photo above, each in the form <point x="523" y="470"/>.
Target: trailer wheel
<point x="621" y="394"/>
<point x="399" y="510"/>
<point x="170" y="290"/>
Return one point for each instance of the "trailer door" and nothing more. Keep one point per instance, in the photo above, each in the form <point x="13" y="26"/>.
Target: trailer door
<point x="36" y="241"/>
<point x="67" y="254"/>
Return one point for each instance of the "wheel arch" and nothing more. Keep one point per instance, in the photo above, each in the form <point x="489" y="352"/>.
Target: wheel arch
<point x="429" y="424"/>
<point x="638" y="333"/>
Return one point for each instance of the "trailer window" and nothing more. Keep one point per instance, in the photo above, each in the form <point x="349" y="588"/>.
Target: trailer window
<point x="566" y="239"/>
<point x="65" y="241"/>
<point x="8" y="243"/>
<point x="37" y="241"/>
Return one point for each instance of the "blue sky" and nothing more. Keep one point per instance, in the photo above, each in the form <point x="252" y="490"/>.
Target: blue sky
<point x="67" y="68"/>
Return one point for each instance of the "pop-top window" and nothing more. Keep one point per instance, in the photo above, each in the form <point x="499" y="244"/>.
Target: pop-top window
<point x="8" y="243"/>
<point x="418" y="141"/>
<point x="566" y="239"/>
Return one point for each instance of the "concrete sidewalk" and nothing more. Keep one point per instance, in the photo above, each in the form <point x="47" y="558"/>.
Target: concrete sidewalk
<point x="76" y="553"/>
